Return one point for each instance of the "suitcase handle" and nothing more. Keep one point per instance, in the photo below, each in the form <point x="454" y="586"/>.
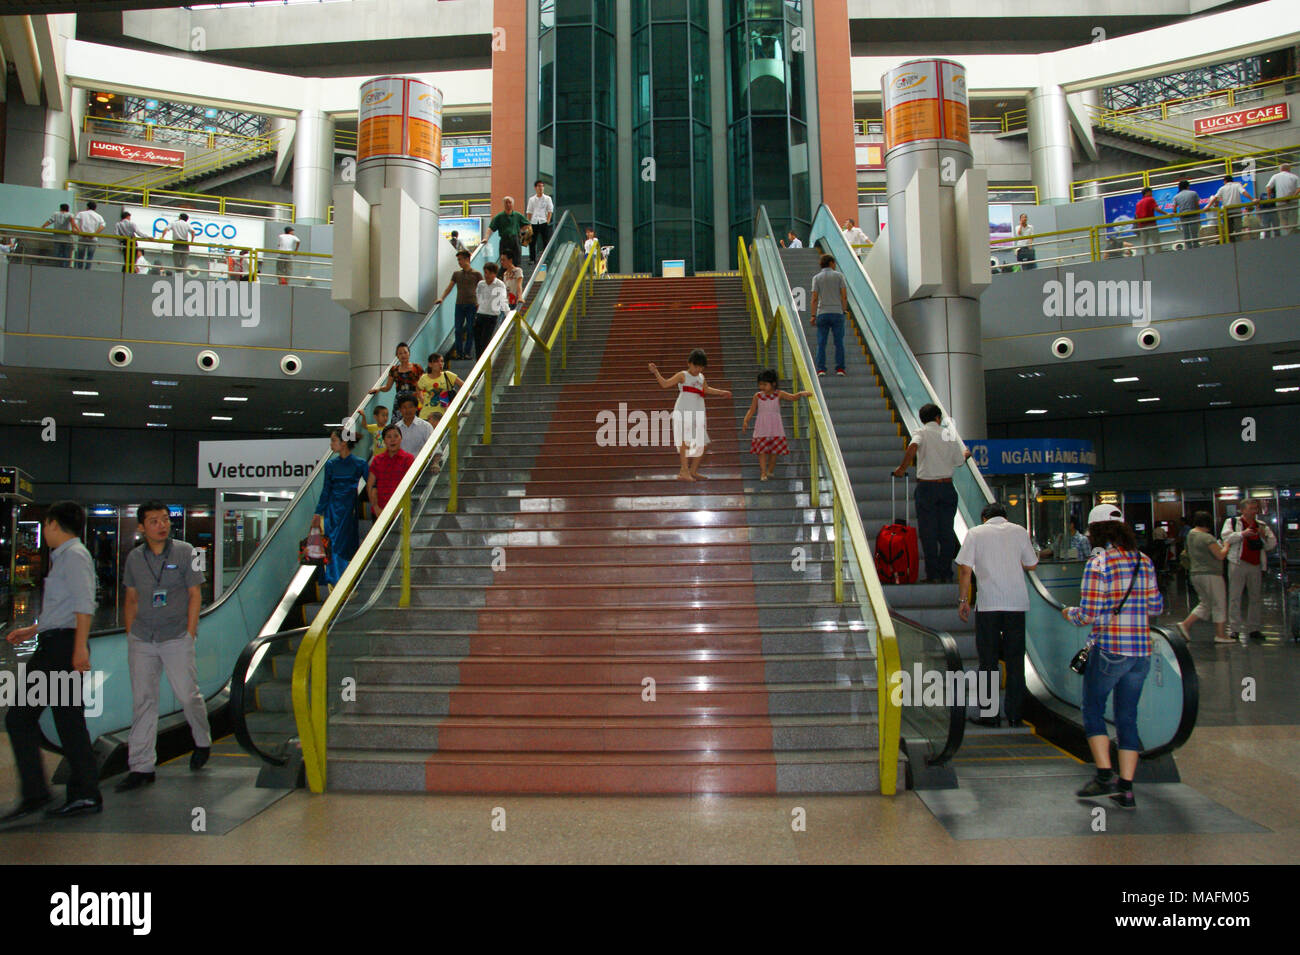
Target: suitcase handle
<point x="893" y="504"/>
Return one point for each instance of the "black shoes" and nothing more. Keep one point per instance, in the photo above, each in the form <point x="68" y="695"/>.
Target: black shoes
<point x="134" y="781"/>
<point x="76" y="807"/>
<point x="1098" y="787"/>
<point x="1124" y="799"/>
<point x="199" y="758"/>
<point x="1256" y="635"/>
<point x="1016" y="724"/>
<point x="26" y="808"/>
<point x="991" y="721"/>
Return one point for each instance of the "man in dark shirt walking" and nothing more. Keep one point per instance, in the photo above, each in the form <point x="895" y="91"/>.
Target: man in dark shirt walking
<point x="62" y="654"/>
<point x="466" y="280"/>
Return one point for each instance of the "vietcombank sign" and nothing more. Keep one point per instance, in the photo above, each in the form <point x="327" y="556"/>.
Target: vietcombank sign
<point x="259" y="464"/>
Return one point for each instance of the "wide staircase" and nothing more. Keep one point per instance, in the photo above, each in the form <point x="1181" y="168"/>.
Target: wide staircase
<point x="872" y="441"/>
<point x="586" y="622"/>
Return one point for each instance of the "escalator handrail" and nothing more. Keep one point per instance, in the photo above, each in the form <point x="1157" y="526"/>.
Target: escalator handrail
<point x="952" y="664"/>
<point x="238" y="688"/>
<point x="830" y="234"/>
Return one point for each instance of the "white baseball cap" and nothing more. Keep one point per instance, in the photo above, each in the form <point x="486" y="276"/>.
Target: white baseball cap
<point x="1104" y="512"/>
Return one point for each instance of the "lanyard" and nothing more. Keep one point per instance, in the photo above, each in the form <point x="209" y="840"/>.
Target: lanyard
<point x="157" y="578"/>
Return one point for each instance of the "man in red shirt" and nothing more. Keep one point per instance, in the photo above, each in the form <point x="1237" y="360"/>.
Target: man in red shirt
<point x="1147" y="230"/>
<point x="387" y="469"/>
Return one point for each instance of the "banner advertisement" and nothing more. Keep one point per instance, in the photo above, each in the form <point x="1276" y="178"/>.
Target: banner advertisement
<point x="379" y="117"/>
<point x="911" y="101"/>
<point x="259" y="464"/>
<point x="131" y="152"/>
<point x="1242" y="119"/>
<point x="213" y="229"/>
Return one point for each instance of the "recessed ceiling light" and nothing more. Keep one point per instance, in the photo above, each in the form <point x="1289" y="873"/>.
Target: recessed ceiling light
<point x="1195" y="361"/>
<point x="165" y="383"/>
<point x="1148" y="399"/>
<point x="92" y="414"/>
<point x="1036" y="411"/>
<point x="233" y="398"/>
<point x="220" y="417"/>
<point x="86" y="394"/>
<point x="1066" y="397"/>
<point x="1286" y="367"/>
<point x="1031" y="374"/>
<point x="1120" y="381"/>
<point x="161" y="407"/>
<point x="1282" y="391"/>
<point x="154" y="424"/>
<point x="1210" y="384"/>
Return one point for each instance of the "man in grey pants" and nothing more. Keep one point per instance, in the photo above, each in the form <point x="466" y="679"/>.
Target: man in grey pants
<point x="163" y="597"/>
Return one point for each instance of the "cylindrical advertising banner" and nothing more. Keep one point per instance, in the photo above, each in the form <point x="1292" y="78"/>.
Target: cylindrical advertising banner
<point x="400" y="118"/>
<point x="925" y="99"/>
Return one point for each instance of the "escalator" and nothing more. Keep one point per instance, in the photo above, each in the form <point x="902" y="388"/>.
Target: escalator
<point x="872" y="434"/>
<point x="257" y="618"/>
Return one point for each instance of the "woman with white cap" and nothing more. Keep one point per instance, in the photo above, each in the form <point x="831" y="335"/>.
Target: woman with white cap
<point x="1118" y="595"/>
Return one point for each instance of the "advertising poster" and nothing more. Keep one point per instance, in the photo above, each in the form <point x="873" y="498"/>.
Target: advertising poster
<point x="379" y="117"/>
<point x="911" y="100"/>
<point x="423" y="121"/>
<point x="1123" y="206"/>
<point x="956" y="111"/>
<point x="1001" y="221"/>
<point x="469" y="229"/>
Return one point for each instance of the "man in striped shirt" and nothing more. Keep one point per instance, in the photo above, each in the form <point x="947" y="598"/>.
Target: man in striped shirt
<point x="1117" y="597"/>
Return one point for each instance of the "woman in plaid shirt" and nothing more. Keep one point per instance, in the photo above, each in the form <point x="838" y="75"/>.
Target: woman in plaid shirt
<point x="1121" y="638"/>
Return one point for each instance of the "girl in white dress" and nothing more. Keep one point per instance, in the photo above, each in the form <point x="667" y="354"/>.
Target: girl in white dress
<point x="690" y="424"/>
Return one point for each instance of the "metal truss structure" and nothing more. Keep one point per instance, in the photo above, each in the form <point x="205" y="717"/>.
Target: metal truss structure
<point x="1206" y="79"/>
<point x="200" y="118"/>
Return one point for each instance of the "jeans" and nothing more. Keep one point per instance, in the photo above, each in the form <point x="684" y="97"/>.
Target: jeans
<point x="1001" y="633"/>
<point x="464" y="328"/>
<point x="63" y="254"/>
<point x="830" y="323"/>
<point x="85" y="254"/>
<point x="936" y="507"/>
<point x="1192" y="234"/>
<point x="1125" y="675"/>
<point x="53" y="655"/>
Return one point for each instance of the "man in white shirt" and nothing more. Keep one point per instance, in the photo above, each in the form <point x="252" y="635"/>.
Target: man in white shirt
<point x="287" y="242"/>
<point x="1248" y="539"/>
<point x="855" y="236"/>
<point x="998" y="553"/>
<point x="89" y="224"/>
<point x="1285" y="185"/>
<point x="492" y="302"/>
<point x="1231" y="193"/>
<point x="63" y="221"/>
<point x="415" y="430"/>
<point x="127" y="230"/>
<point x="182" y="232"/>
<point x="539" y="210"/>
<point x="793" y="242"/>
<point x="938" y="452"/>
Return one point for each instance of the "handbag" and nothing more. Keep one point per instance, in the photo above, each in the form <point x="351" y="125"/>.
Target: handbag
<point x="1079" y="662"/>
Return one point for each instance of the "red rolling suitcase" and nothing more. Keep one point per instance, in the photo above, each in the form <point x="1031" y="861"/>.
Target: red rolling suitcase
<point x="896" y="553"/>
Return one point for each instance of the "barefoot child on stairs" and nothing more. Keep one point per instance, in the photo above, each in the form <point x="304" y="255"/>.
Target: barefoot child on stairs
<point x="769" y="441"/>
<point x="690" y="425"/>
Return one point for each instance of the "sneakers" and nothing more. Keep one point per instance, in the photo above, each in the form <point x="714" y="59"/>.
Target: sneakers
<point x="199" y="758"/>
<point x="1124" y="799"/>
<point x="1098" y="787"/>
<point x="1230" y="638"/>
<point x="841" y="372"/>
<point x="821" y="374"/>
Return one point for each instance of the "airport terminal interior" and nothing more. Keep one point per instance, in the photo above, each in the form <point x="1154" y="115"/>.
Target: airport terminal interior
<point x="565" y="620"/>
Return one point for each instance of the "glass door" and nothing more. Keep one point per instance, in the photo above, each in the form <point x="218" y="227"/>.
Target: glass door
<point x="243" y="525"/>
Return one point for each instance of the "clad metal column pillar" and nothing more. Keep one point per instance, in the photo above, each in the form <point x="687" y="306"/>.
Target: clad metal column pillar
<point x="386" y="247"/>
<point x="313" y="160"/>
<point x="1051" y="160"/>
<point x="938" y="232"/>
<point x="56" y="148"/>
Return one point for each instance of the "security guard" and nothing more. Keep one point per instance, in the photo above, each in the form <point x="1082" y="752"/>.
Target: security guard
<point x="163" y="596"/>
<point x="64" y="628"/>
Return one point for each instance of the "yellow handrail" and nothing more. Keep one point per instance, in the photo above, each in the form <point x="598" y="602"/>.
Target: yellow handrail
<point x="217" y="159"/>
<point x="1208" y="168"/>
<point x="202" y="201"/>
<point x="845" y="518"/>
<point x="1230" y="92"/>
<point x="1166" y="133"/>
<point x="148" y="130"/>
<point x="310" y="677"/>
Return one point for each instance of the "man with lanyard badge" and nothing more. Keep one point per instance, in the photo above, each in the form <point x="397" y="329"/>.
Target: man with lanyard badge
<point x="161" y="614"/>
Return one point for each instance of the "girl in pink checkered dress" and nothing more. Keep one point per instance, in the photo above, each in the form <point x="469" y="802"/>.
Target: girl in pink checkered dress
<point x="768" y="441"/>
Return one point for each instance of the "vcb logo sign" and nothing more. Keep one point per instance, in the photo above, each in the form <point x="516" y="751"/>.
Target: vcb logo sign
<point x="201" y="229"/>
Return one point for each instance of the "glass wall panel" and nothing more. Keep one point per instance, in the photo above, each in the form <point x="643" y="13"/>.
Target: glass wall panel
<point x="573" y="97"/>
<point x="602" y="89"/>
<point x="699" y="74"/>
<point x="671" y="80"/>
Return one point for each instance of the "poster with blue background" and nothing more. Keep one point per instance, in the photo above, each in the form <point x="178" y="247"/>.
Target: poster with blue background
<point x="1123" y="206"/>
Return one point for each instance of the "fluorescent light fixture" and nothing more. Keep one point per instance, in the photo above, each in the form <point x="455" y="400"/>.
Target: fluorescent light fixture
<point x="86" y="394"/>
<point x="1210" y="384"/>
<point x="233" y="398"/>
<point x="1195" y="361"/>
<point x="165" y="383"/>
<point x="1036" y="411"/>
<point x="1067" y="397"/>
<point x="1291" y="367"/>
<point x="92" y="414"/>
<point x="1031" y="374"/>
<point x="1148" y="399"/>
<point x="1097" y="411"/>
<point x="1282" y="391"/>
<point x="154" y="424"/>
<point x="161" y="407"/>
<point x="221" y="417"/>
<point x="1215" y="404"/>
<point x="1120" y="381"/>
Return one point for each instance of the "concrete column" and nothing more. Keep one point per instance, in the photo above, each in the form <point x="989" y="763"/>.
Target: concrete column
<point x="56" y="148"/>
<point x="313" y="160"/>
<point x="1051" y="160"/>
<point x="939" y="320"/>
<point x="724" y="250"/>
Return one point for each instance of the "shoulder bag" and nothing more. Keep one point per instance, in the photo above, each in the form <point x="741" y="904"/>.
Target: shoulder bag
<point x="1079" y="663"/>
